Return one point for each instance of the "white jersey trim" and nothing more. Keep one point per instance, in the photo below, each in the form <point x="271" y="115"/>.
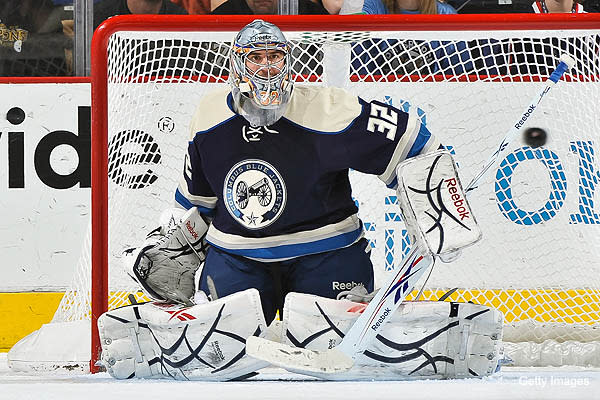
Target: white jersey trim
<point x="281" y="247"/>
<point x="402" y="148"/>
<point x="432" y="145"/>
<point x="201" y="201"/>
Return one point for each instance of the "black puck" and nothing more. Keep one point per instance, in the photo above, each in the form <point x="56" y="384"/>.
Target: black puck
<point x="15" y="115"/>
<point x="535" y="137"/>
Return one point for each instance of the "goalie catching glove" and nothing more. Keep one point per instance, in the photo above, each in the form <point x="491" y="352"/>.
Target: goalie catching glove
<point x="166" y="264"/>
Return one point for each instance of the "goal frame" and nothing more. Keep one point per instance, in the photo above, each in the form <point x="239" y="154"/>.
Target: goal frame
<point x="99" y="90"/>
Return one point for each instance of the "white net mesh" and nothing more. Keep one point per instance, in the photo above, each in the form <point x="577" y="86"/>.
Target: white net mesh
<point x="538" y="261"/>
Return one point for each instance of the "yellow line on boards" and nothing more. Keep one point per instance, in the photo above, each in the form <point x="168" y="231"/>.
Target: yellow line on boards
<point x="23" y="313"/>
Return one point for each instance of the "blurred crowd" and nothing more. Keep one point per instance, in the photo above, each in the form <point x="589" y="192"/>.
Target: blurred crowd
<point x="37" y="36"/>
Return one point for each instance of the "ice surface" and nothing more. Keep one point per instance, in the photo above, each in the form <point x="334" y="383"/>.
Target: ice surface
<point x="511" y="383"/>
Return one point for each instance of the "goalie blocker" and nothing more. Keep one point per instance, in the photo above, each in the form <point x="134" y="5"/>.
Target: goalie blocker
<point x="434" y="206"/>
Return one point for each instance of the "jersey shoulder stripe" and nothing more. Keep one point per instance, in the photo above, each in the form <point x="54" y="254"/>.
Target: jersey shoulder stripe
<point x="327" y="110"/>
<point x="186" y="200"/>
<point x="212" y="111"/>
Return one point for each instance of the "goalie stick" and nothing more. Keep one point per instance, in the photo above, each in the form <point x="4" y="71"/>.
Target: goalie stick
<point x="393" y="292"/>
<point x="566" y="62"/>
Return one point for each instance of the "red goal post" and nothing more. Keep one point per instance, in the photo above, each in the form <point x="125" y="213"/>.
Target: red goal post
<point x="466" y="100"/>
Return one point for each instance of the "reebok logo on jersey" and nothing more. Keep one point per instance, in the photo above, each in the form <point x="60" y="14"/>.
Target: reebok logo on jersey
<point x="191" y="230"/>
<point x="526" y="115"/>
<point x="344" y="285"/>
<point x="455" y="195"/>
<point x="381" y="319"/>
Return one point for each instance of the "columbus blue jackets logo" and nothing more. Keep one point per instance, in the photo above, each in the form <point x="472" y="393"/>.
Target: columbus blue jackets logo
<point x="254" y="193"/>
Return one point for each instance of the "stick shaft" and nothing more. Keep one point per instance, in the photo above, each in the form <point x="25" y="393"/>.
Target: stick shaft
<point x="515" y="128"/>
<point x="393" y="292"/>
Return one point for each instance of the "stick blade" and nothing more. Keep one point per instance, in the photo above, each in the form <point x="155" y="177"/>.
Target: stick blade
<point x="296" y="359"/>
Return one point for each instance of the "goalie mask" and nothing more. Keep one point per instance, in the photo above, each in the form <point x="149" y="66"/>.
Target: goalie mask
<point x="260" y="74"/>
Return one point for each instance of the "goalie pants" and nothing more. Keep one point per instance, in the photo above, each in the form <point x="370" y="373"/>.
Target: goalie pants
<point x="323" y="274"/>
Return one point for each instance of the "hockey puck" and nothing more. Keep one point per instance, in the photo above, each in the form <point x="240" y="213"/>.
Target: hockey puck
<point x="15" y="115"/>
<point x="535" y="137"/>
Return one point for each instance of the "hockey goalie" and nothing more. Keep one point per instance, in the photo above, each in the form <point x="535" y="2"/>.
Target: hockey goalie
<point x="265" y="226"/>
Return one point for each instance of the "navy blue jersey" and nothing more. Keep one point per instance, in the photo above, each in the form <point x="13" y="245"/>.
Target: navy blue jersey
<point x="283" y="191"/>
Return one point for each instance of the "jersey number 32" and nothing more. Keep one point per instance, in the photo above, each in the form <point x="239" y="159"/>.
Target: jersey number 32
<point x="383" y="120"/>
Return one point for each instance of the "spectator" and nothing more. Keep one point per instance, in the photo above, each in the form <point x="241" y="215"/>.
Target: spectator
<point x="412" y="57"/>
<point x="108" y="8"/>
<point x="195" y="6"/>
<point x="245" y="7"/>
<point x="490" y="7"/>
<point x="355" y="7"/>
<point x="592" y="6"/>
<point x="32" y="42"/>
<point x="419" y="7"/>
<point x="535" y="56"/>
<point x="557" y="6"/>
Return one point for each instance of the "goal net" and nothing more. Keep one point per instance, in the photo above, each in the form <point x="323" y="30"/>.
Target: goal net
<point x="467" y="77"/>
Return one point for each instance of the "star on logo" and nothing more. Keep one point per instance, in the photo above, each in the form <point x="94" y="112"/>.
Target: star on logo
<point x="252" y="219"/>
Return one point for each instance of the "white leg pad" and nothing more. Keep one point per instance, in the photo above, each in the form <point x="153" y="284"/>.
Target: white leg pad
<point x="435" y="340"/>
<point x="203" y="342"/>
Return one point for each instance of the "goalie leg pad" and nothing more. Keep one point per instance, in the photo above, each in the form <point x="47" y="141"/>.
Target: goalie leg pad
<point x="434" y="340"/>
<point x="203" y="342"/>
<point x="434" y="204"/>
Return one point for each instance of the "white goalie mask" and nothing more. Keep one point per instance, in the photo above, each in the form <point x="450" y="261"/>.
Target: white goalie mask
<point x="260" y="75"/>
